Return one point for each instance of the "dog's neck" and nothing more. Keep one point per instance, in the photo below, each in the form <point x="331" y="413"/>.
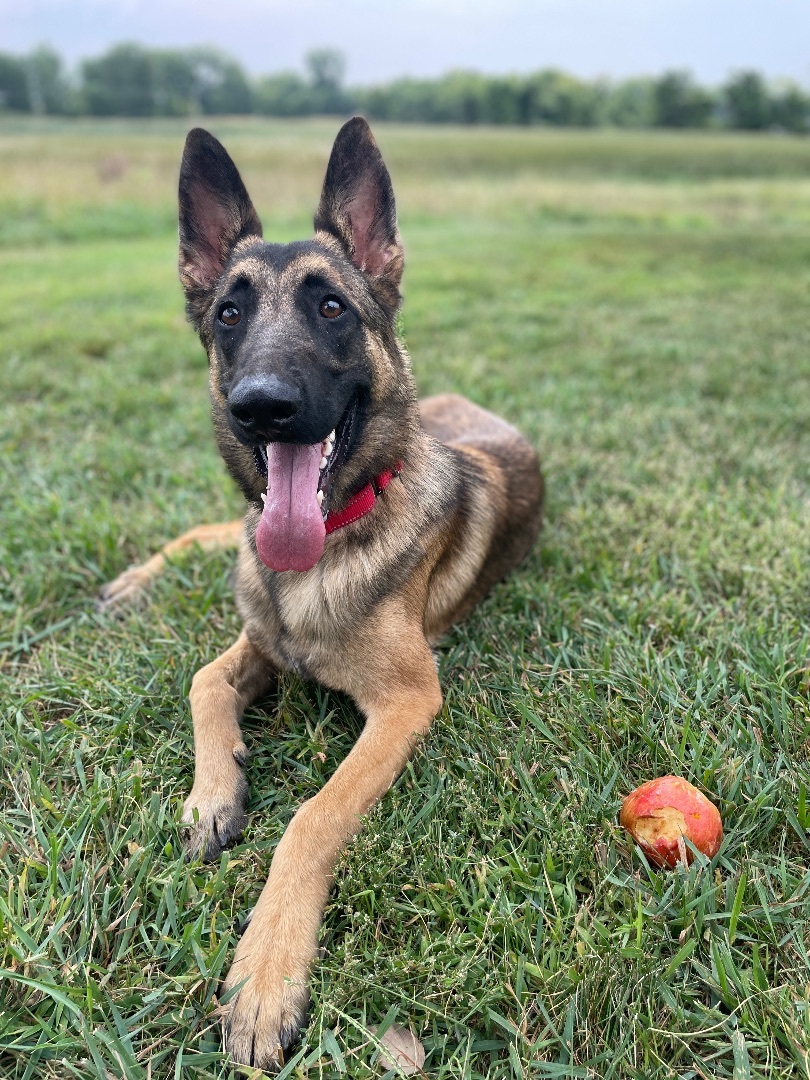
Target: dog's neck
<point x="363" y="501"/>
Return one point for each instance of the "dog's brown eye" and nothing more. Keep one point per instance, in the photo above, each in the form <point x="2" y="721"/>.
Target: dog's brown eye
<point x="331" y="307"/>
<point x="229" y="314"/>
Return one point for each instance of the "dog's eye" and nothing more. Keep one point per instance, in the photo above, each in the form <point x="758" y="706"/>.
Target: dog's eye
<point x="331" y="307"/>
<point x="229" y="314"/>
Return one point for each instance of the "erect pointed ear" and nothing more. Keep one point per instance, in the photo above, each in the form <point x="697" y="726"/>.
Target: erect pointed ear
<point x="215" y="211"/>
<point x="357" y="206"/>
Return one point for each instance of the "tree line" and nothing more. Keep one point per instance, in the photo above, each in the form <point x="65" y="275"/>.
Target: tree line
<point x="132" y="80"/>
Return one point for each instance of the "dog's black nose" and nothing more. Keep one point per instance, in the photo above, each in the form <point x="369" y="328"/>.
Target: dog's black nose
<point x="262" y="404"/>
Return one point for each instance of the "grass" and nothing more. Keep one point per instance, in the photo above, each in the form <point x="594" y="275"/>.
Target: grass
<point x="638" y="305"/>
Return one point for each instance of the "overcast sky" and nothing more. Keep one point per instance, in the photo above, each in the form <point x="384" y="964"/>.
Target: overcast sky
<point x="387" y="38"/>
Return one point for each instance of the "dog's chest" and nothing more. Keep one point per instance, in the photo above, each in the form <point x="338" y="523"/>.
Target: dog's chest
<point x="305" y="623"/>
<point x="306" y="631"/>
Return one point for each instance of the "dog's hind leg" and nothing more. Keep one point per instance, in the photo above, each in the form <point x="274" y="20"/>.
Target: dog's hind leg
<point x="130" y="586"/>
<point x="269" y="975"/>
<point x="220" y="693"/>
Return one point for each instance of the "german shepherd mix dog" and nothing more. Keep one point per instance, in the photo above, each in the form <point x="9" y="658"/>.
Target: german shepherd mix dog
<point x="373" y="523"/>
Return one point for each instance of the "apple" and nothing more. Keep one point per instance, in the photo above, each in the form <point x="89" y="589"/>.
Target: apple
<point x="661" y="813"/>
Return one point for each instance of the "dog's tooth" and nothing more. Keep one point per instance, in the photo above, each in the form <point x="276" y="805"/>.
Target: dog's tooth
<point x="320" y="498"/>
<point x="323" y="463"/>
<point x="328" y="448"/>
<point x="331" y="436"/>
<point x="264" y="496"/>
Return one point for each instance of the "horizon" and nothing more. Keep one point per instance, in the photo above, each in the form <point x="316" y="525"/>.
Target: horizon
<point x="624" y="38"/>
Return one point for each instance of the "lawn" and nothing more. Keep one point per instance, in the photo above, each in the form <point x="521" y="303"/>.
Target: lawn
<point x="638" y="305"/>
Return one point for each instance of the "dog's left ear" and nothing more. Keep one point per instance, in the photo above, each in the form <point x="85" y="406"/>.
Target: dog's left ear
<point x="215" y="212"/>
<point x="357" y="206"/>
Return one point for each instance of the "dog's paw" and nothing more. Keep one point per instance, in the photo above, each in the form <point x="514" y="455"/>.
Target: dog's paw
<point x="213" y="822"/>
<point x="127" y="590"/>
<point x="264" y="1020"/>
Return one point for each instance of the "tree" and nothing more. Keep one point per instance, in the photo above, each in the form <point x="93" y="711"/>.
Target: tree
<point x="120" y="83"/>
<point x="747" y="102"/>
<point x="131" y="80"/>
<point x="13" y="84"/>
<point x="404" y="100"/>
<point x="174" y="83"/>
<point x="284" y="94"/>
<point x="791" y="109"/>
<point x="459" y="98"/>
<point x="501" y="100"/>
<point x="631" y="104"/>
<point x="326" y="69"/>
<point x="552" y="97"/>
<point x="679" y="102"/>
<point x="221" y="85"/>
<point x="48" y="89"/>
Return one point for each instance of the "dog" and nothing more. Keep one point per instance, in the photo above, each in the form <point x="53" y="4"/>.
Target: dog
<point x="374" y="522"/>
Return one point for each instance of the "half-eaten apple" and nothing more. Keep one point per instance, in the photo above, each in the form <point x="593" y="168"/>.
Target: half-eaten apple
<point x="661" y="814"/>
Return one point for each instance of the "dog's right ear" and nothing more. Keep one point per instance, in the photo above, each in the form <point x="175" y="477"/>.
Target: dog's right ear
<point x="215" y="213"/>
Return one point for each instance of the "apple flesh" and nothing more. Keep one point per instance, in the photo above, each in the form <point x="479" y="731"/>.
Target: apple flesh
<point x="661" y="813"/>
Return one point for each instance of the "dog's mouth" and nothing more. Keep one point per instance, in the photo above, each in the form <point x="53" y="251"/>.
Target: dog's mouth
<point x="300" y="479"/>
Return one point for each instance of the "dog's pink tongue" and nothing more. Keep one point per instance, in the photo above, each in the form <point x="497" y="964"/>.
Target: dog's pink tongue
<point x="291" y="532"/>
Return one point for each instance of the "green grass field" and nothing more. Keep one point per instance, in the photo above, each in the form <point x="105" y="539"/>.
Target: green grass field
<point x="638" y="305"/>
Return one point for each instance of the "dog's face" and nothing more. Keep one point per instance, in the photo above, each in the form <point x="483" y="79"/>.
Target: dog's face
<point x="307" y="379"/>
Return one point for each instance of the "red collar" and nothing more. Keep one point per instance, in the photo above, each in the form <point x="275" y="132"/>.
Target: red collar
<point x="363" y="501"/>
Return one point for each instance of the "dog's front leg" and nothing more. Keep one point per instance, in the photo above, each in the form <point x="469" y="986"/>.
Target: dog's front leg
<point x="272" y="960"/>
<point x="220" y="693"/>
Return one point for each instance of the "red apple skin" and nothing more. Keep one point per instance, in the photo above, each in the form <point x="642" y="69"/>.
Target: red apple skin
<point x="660" y="812"/>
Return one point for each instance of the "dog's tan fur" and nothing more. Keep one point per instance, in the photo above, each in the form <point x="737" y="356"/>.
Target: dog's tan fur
<point x="464" y="511"/>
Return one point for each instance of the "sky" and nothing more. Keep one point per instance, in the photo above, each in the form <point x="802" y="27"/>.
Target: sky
<point x="388" y="38"/>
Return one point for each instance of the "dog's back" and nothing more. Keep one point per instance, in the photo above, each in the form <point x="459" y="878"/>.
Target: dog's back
<point x="514" y="487"/>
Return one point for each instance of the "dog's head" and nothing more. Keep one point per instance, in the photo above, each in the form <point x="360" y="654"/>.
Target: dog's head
<point x="312" y="393"/>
